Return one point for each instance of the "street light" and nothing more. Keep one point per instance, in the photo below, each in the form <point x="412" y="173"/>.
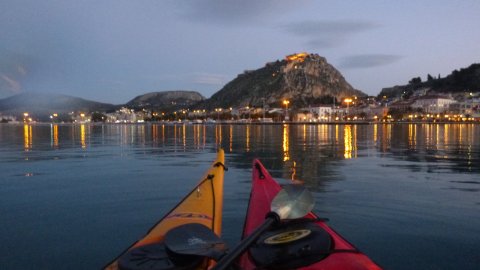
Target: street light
<point x="218" y="110"/>
<point x="53" y="116"/>
<point x="286" y="102"/>
<point x="348" y="101"/>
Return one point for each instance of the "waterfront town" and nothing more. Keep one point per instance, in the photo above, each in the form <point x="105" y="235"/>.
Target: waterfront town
<point x="422" y="107"/>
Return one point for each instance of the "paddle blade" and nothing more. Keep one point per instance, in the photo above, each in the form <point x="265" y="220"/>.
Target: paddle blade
<point x="195" y="239"/>
<point x="293" y="201"/>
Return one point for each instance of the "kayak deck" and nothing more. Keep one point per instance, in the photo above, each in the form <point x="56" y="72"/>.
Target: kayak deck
<point x="203" y="205"/>
<point x="307" y="243"/>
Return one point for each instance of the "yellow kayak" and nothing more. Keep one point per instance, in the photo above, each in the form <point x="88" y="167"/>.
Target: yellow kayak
<point x="203" y="205"/>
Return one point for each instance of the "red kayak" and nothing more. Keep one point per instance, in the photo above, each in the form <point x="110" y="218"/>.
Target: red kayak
<point x="305" y="243"/>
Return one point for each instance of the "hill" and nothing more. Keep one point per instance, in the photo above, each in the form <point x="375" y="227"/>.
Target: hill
<point x="304" y="79"/>
<point x="166" y="100"/>
<point x="42" y="105"/>
<point x="459" y="81"/>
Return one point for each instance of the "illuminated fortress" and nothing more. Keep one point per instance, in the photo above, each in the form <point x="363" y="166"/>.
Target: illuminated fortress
<point x="298" y="57"/>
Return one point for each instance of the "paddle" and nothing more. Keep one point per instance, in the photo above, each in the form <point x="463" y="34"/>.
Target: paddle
<point x="195" y="239"/>
<point x="293" y="201"/>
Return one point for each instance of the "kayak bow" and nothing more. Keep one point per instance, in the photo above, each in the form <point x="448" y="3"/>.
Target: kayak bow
<point x="203" y="205"/>
<point x="305" y="243"/>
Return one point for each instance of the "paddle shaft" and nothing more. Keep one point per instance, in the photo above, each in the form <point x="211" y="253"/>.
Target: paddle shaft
<point x="228" y="259"/>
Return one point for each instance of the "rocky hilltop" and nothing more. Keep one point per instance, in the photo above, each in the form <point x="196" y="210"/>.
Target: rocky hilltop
<point x="303" y="79"/>
<point x="166" y="100"/>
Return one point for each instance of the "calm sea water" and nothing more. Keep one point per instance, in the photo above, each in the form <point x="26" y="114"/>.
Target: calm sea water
<point x="75" y="196"/>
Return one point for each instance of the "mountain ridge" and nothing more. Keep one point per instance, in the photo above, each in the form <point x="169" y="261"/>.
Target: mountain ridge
<point x="465" y="79"/>
<point x="166" y="99"/>
<point x="47" y="103"/>
<point x="42" y="105"/>
<point x="302" y="78"/>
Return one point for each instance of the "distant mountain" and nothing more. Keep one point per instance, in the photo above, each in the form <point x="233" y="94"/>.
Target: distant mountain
<point x="42" y="105"/>
<point x="166" y="100"/>
<point x="304" y="79"/>
<point x="459" y="81"/>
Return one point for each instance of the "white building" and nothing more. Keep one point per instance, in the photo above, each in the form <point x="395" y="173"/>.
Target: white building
<point x="471" y="107"/>
<point x="433" y="104"/>
<point x="320" y="113"/>
<point x="8" y="118"/>
<point x="124" y="115"/>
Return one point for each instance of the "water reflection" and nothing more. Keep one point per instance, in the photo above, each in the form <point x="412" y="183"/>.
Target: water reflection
<point x="294" y="171"/>
<point x="348" y="142"/>
<point x="441" y="146"/>
<point x="82" y="136"/>
<point x="155" y="135"/>
<point x="412" y="135"/>
<point x="218" y="134"/>
<point x="247" y="138"/>
<point x="198" y="134"/>
<point x="305" y="135"/>
<point x="184" y="136"/>
<point x="385" y="173"/>
<point x="449" y="143"/>
<point x="336" y="133"/>
<point x="286" y="154"/>
<point x="54" y="135"/>
<point x="385" y="136"/>
<point x="27" y="137"/>
<point x="141" y="134"/>
<point x="230" y="148"/>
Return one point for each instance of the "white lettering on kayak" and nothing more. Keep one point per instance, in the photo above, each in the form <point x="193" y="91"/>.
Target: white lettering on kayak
<point x="195" y="241"/>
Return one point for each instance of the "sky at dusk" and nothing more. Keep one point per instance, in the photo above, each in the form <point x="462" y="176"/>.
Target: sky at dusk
<point x="114" y="50"/>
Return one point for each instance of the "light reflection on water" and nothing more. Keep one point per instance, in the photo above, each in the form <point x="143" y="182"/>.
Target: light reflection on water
<point x="27" y="137"/>
<point x="390" y="189"/>
<point x="453" y="144"/>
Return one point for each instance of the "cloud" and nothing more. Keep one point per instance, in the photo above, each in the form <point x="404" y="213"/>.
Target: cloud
<point x="233" y="11"/>
<point x="369" y="60"/>
<point x="13" y="70"/>
<point x="9" y="85"/>
<point x="327" y="34"/>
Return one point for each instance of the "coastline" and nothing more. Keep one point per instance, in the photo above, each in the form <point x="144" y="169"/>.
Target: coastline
<point x="361" y="122"/>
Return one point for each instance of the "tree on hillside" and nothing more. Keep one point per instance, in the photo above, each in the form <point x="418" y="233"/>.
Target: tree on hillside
<point x="407" y="94"/>
<point x="415" y="80"/>
<point x="326" y="99"/>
